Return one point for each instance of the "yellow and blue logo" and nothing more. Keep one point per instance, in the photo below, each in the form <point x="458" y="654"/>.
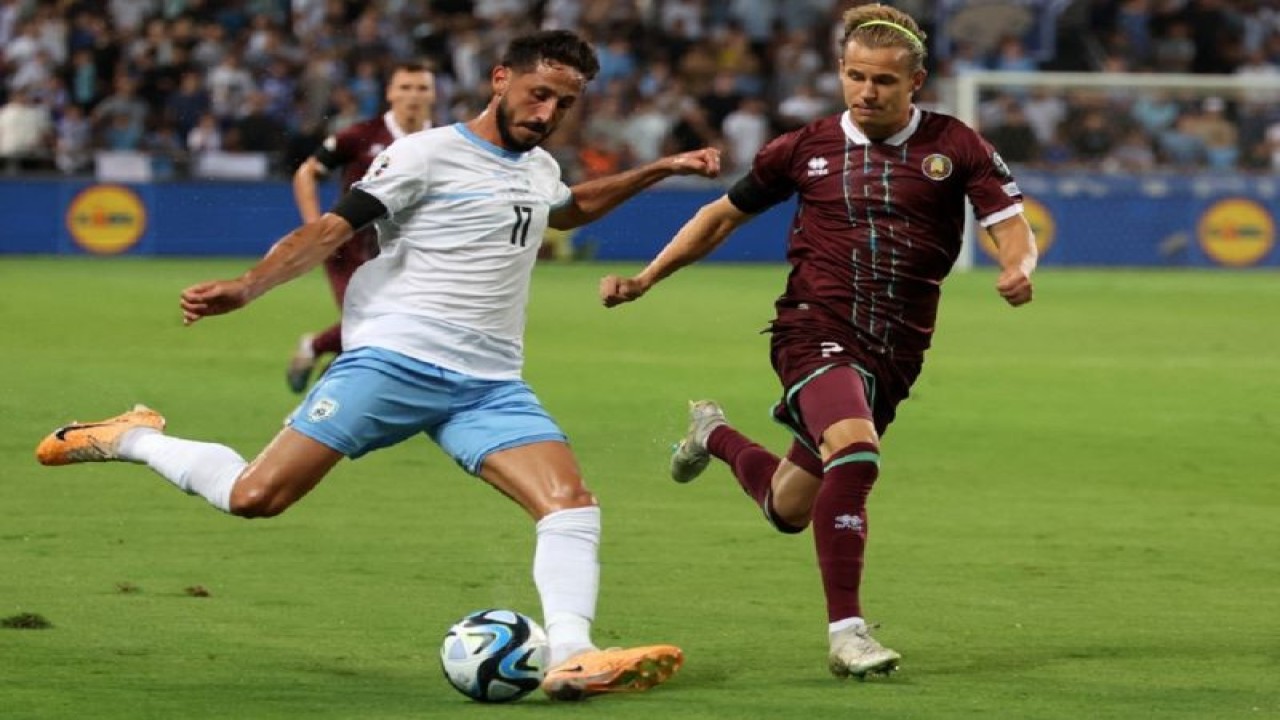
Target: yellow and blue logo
<point x="106" y="219"/>
<point x="1237" y="232"/>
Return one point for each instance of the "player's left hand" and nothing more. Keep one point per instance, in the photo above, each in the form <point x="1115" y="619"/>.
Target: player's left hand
<point x="1014" y="286"/>
<point x="704" y="162"/>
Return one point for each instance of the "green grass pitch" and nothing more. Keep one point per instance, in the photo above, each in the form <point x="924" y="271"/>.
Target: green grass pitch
<point x="1076" y="518"/>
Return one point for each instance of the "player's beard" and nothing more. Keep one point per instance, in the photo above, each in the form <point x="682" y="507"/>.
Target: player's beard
<point x="503" y="118"/>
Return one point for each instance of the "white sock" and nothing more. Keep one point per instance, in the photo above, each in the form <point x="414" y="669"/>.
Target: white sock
<point x="197" y="468"/>
<point x="845" y="624"/>
<point x="566" y="570"/>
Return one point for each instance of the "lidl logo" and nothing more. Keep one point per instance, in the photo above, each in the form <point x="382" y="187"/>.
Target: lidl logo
<point x="1041" y="222"/>
<point x="106" y="219"/>
<point x="1237" y="232"/>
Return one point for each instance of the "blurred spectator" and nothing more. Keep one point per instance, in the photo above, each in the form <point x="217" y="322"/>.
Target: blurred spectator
<point x="745" y="131"/>
<point x="73" y="146"/>
<point x="617" y="60"/>
<point x="1174" y="51"/>
<point x="1091" y="136"/>
<point x="723" y="99"/>
<point x="120" y="117"/>
<point x="795" y="61"/>
<point x="206" y="136"/>
<point x="1217" y="134"/>
<point x="1133" y="153"/>
<point x="1133" y="23"/>
<point x="259" y="130"/>
<point x="646" y="129"/>
<point x="229" y="83"/>
<point x="1045" y="111"/>
<point x="1155" y="111"/>
<point x="26" y="131"/>
<point x="187" y="104"/>
<point x="691" y="131"/>
<point x="1011" y="56"/>
<point x="129" y="14"/>
<point x="1014" y="137"/>
<point x="802" y="108"/>
<point x="1272" y="147"/>
<point x="83" y="81"/>
<point x="366" y="88"/>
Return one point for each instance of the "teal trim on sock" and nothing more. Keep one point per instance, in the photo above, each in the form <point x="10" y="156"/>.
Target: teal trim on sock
<point x="864" y="456"/>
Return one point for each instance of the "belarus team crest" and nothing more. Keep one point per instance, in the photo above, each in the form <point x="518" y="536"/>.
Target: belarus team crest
<point x="937" y="166"/>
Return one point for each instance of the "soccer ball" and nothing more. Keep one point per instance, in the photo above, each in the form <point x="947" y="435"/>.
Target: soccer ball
<point x="494" y="655"/>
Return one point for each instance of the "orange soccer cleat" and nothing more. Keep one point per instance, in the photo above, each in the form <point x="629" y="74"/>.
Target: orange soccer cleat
<point x="96" y="441"/>
<point x="596" y="672"/>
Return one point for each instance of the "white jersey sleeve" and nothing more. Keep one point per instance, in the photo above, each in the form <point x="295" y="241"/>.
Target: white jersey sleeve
<point x="398" y="176"/>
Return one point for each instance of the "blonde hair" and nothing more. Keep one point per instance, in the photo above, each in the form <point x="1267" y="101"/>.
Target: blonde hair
<point x="877" y="26"/>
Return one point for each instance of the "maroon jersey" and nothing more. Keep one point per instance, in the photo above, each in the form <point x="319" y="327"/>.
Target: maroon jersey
<point x="879" y="224"/>
<point x="354" y="148"/>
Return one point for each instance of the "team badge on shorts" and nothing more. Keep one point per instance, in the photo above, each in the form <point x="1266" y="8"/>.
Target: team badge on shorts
<point x="937" y="166"/>
<point x="322" y="409"/>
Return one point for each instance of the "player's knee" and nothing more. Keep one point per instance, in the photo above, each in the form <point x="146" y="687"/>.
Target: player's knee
<point x="569" y="499"/>
<point x="250" y="500"/>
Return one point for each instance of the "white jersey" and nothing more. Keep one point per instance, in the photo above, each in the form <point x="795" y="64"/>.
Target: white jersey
<point x="464" y="222"/>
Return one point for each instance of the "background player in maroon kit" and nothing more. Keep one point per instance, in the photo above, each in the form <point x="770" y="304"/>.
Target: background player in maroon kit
<point x="879" y="224"/>
<point x="411" y="93"/>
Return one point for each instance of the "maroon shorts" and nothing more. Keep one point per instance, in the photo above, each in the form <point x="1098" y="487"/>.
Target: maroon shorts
<point x="828" y="375"/>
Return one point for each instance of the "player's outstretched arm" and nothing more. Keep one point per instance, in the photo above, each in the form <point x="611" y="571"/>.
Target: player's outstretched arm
<point x="594" y="199"/>
<point x="291" y="256"/>
<point x="1018" y="255"/>
<point x="704" y="232"/>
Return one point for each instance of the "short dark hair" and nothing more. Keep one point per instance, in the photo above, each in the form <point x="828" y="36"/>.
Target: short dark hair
<point x="558" y="46"/>
<point x="410" y="67"/>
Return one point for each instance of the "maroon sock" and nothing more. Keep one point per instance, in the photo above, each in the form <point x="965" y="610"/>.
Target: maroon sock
<point x="752" y="465"/>
<point x="329" y="341"/>
<point x="840" y="526"/>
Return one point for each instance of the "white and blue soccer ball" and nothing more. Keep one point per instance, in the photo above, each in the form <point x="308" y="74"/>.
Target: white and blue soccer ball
<point x="494" y="655"/>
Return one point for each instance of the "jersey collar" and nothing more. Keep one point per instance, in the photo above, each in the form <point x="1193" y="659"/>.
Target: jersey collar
<point x="857" y="137"/>
<point x="389" y="120"/>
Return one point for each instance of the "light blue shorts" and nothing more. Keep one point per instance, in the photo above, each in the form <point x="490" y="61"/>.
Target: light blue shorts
<point x="372" y="398"/>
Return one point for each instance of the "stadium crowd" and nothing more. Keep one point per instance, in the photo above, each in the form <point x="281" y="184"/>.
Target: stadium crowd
<point x="178" y="78"/>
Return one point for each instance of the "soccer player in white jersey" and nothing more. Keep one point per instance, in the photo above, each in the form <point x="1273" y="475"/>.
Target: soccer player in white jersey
<point x="435" y="323"/>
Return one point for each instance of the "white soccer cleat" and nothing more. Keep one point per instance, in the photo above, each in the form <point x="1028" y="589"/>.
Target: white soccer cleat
<point x="690" y="457"/>
<point x="854" y="652"/>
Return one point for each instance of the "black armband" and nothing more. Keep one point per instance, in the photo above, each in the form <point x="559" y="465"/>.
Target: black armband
<point x="359" y="208"/>
<point x="749" y="196"/>
<point x="326" y="157"/>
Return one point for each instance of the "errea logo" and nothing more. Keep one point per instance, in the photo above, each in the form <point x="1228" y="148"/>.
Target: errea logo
<point x="817" y="166"/>
<point x="848" y="522"/>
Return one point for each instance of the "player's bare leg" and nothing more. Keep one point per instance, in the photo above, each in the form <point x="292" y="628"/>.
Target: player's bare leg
<point x="285" y="471"/>
<point x="545" y="480"/>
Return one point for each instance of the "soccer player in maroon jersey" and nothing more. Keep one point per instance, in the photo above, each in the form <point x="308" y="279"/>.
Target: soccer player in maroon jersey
<point x="878" y="225"/>
<point x="411" y="93"/>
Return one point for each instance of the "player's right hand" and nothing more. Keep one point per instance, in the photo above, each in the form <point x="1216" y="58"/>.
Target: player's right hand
<point x="615" y="290"/>
<point x="215" y="297"/>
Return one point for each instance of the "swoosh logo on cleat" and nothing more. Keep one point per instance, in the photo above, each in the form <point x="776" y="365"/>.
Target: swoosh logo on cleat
<point x="61" y="433"/>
